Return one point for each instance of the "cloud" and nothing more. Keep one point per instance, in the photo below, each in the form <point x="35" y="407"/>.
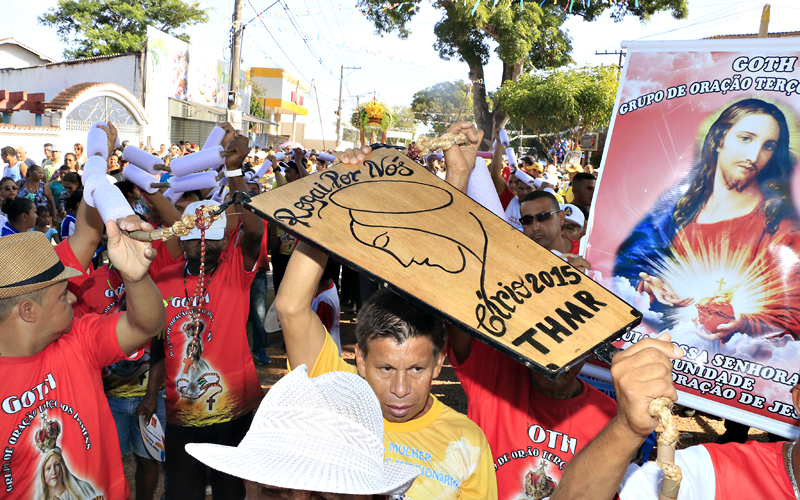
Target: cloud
<point x="640" y="300"/>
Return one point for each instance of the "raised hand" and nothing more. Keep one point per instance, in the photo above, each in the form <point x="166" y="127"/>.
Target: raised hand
<point x="354" y="156"/>
<point x="111" y="134"/>
<point x="130" y="257"/>
<point x="461" y="160"/>
<point x="230" y="133"/>
<point x="642" y="373"/>
<point x="236" y="151"/>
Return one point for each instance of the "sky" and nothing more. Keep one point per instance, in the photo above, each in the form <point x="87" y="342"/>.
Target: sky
<point x="313" y="39"/>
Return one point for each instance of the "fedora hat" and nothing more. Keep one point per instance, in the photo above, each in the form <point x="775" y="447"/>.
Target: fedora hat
<point x="320" y="434"/>
<point x="29" y="263"/>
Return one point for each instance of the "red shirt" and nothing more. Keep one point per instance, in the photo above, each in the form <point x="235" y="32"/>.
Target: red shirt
<point x="750" y="470"/>
<point x="506" y="196"/>
<point x="68" y="258"/>
<point x="102" y="292"/>
<point x="532" y="436"/>
<point x="222" y="384"/>
<point x="55" y="399"/>
<point x="576" y="246"/>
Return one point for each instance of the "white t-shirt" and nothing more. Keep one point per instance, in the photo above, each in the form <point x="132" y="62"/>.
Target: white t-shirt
<point x="329" y="312"/>
<point x="12" y="172"/>
<point x="513" y="214"/>
<point x="698" y="483"/>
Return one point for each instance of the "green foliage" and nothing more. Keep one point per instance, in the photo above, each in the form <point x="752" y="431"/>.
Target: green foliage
<point x="576" y="99"/>
<point x="439" y="105"/>
<point x="256" y="97"/>
<point x="104" y="27"/>
<point x="527" y="36"/>
<point x="404" y="118"/>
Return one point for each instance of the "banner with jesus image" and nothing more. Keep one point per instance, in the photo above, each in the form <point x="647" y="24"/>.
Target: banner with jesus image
<point x="694" y="223"/>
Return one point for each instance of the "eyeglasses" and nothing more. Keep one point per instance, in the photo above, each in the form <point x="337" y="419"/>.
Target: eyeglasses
<point x="527" y="220"/>
<point x="10" y="188"/>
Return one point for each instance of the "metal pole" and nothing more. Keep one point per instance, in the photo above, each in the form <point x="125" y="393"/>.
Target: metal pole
<point x="236" y="54"/>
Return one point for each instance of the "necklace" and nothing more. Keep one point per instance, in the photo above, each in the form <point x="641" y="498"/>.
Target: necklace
<point x="790" y="470"/>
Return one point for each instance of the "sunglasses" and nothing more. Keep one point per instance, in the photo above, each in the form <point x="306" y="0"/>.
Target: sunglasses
<point x="10" y="188"/>
<point x="527" y="220"/>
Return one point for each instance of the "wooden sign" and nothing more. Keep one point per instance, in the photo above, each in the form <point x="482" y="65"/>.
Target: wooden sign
<point x="412" y="232"/>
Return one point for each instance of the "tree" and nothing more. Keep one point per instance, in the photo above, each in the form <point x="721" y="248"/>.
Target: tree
<point x="439" y="105"/>
<point x="404" y="119"/>
<point x="103" y="27"/>
<point x="256" y="97"/>
<point x="528" y="36"/>
<point x="575" y="100"/>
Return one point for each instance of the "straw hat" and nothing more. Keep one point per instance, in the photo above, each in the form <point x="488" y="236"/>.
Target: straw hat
<point x="321" y="434"/>
<point x="29" y="263"/>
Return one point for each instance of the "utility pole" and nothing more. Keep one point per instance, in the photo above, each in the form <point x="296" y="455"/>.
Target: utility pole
<point x="620" y="53"/>
<point x="339" y="112"/>
<point x="236" y="55"/>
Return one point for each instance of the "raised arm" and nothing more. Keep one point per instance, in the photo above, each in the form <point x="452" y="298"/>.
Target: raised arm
<point x="145" y="315"/>
<point x="169" y="215"/>
<point x="641" y="374"/>
<point x="496" y="168"/>
<point x="460" y="162"/>
<point x="252" y="227"/>
<point x="302" y="329"/>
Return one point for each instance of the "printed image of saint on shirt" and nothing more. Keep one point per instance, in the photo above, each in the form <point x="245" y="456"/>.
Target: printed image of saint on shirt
<point x="196" y="377"/>
<point x="55" y="481"/>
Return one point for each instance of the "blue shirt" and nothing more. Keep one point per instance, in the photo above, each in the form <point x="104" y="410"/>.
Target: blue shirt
<point x="12" y="172"/>
<point x="8" y="229"/>
<point x="68" y="225"/>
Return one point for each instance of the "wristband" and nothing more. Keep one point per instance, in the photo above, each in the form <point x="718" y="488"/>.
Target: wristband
<point x="233" y="173"/>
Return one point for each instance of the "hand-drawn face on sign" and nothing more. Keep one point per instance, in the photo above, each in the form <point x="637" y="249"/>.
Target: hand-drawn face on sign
<point x="392" y="219"/>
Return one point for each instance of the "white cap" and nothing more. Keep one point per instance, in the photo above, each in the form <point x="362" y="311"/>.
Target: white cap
<point x="261" y="154"/>
<point x="217" y="229"/>
<point x="573" y="214"/>
<point x="320" y="434"/>
<point x="251" y="153"/>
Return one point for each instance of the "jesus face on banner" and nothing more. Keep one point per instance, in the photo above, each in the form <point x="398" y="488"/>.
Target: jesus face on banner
<point x="712" y="255"/>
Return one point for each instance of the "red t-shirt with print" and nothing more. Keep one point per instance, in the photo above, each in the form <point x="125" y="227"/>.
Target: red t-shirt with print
<point x="532" y="436"/>
<point x="506" y="196"/>
<point x="221" y="383"/>
<point x="54" y="412"/>
<point x="104" y="293"/>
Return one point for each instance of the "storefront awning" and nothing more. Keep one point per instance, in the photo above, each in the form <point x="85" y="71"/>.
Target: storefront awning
<point x="255" y="119"/>
<point x="196" y="111"/>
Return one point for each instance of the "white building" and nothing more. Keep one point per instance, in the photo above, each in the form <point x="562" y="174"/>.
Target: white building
<point x="162" y="94"/>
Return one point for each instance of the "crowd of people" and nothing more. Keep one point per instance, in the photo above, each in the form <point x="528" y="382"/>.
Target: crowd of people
<point x="96" y="324"/>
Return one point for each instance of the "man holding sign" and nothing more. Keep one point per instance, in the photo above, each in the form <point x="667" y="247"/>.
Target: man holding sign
<point x="400" y="350"/>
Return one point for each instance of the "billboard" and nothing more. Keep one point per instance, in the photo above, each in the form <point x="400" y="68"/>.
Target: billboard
<point x="694" y="222"/>
<point x="176" y="70"/>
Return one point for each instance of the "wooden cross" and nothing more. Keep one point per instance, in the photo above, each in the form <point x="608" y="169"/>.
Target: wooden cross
<point x="187" y="362"/>
<point x="721" y="282"/>
<point x="211" y="402"/>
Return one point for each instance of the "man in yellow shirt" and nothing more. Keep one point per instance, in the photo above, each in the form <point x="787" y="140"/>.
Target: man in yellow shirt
<point x="399" y="351"/>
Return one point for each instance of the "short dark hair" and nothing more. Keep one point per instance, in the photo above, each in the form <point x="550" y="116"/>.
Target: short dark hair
<point x="72" y="177"/>
<point x="584" y="211"/>
<point x="73" y="200"/>
<point x="535" y="195"/>
<point x="125" y="186"/>
<point x="583" y="176"/>
<point x="195" y="192"/>
<point x="7" y="304"/>
<point x="43" y="209"/>
<point x="386" y="314"/>
<point x="8" y="150"/>
<point x="15" y="207"/>
<point x="48" y="144"/>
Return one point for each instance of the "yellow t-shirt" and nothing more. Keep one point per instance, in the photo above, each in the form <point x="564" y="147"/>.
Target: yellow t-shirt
<point x="450" y="450"/>
<point x="566" y="193"/>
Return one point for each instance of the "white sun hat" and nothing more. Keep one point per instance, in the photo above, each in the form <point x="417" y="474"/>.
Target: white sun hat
<point x="323" y="434"/>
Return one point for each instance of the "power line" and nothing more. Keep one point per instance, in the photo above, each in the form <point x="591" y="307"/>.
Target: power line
<point x="279" y="45"/>
<point x="335" y="18"/>
<point x="714" y="16"/>
<point x="303" y="37"/>
<point x="319" y="30"/>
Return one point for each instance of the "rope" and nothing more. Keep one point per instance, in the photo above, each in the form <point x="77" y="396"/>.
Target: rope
<point x="661" y="408"/>
<point x="445" y="142"/>
<point x="181" y="227"/>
